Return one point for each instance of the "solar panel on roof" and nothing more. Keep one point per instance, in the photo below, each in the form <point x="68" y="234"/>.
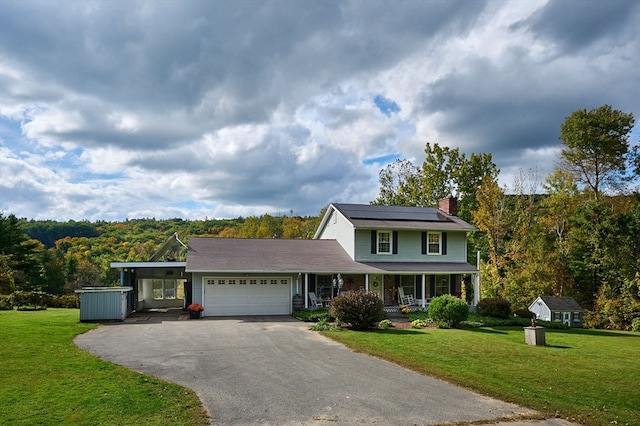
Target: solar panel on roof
<point x="373" y="212"/>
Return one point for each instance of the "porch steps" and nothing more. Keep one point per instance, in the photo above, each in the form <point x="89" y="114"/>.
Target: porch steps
<point x="396" y="308"/>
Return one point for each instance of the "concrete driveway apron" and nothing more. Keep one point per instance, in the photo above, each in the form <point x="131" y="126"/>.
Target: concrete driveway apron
<point x="274" y="371"/>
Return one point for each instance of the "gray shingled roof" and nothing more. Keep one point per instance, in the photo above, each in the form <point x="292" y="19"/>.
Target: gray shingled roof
<point x="233" y="255"/>
<point x="401" y="217"/>
<point x="561" y="303"/>
<point x="269" y="255"/>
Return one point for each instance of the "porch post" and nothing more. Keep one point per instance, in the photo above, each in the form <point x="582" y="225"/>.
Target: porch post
<point x="476" y="284"/>
<point x="424" y="288"/>
<point x="366" y="282"/>
<point x="306" y="290"/>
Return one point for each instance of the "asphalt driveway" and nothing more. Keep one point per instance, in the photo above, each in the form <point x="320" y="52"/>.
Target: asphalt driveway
<point x="274" y="371"/>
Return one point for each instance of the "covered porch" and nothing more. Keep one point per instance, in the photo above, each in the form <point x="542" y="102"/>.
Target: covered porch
<point x="421" y="281"/>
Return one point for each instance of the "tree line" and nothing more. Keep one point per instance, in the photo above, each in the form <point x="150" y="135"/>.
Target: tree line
<point x="59" y="257"/>
<point x="575" y="232"/>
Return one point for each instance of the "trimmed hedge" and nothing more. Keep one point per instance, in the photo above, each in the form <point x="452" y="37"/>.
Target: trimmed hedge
<point x="39" y="298"/>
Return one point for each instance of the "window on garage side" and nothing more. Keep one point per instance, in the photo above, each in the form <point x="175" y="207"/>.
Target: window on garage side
<point x="164" y="289"/>
<point x="158" y="294"/>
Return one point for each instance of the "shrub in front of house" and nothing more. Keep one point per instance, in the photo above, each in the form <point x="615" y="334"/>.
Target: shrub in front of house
<point x="360" y="309"/>
<point x="323" y="325"/>
<point x="494" y="307"/>
<point x="385" y="323"/>
<point x="418" y="323"/>
<point x="448" y="311"/>
<point x="313" y="315"/>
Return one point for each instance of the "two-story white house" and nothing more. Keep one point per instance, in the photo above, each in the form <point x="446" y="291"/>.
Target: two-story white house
<point x="390" y="250"/>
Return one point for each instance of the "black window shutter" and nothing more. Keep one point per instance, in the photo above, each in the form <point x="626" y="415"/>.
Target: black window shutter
<point x="418" y="290"/>
<point x="432" y="286"/>
<point x="395" y="242"/>
<point x="374" y="242"/>
<point x="444" y="243"/>
<point x="424" y="243"/>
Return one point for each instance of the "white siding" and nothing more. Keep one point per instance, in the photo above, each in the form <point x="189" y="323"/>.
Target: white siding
<point x="541" y="310"/>
<point x="340" y="229"/>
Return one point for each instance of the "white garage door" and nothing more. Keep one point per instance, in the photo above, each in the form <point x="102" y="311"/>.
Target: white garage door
<point x="224" y="296"/>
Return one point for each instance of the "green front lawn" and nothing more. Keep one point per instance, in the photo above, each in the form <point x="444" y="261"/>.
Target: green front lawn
<point x="46" y="379"/>
<point x="591" y="376"/>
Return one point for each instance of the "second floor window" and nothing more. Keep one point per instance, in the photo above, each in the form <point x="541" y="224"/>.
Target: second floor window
<point x="433" y="243"/>
<point x="384" y="242"/>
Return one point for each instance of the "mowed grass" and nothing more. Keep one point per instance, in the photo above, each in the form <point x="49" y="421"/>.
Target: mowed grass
<point x="46" y="379"/>
<point x="587" y="376"/>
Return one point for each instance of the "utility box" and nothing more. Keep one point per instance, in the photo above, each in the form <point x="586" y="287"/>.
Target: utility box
<point x="104" y="303"/>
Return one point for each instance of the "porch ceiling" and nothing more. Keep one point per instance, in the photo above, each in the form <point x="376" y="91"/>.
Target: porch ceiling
<point x="424" y="267"/>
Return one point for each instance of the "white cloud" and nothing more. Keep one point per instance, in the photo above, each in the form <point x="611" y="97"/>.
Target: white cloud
<point x="193" y="109"/>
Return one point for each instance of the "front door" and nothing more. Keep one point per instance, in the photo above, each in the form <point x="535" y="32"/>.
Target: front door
<point x="376" y="285"/>
<point x="566" y="318"/>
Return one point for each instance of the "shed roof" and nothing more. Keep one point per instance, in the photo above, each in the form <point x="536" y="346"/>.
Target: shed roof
<point x="564" y="303"/>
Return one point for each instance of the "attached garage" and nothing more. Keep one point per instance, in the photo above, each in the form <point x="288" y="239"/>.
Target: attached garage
<point x="245" y="276"/>
<point x="228" y="296"/>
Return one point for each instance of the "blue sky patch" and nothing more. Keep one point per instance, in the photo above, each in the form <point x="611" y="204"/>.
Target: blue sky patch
<point x="385" y="159"/>
<point x="386" y="106"/>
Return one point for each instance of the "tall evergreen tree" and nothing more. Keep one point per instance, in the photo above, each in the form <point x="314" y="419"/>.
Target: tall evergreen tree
<point x="20" y="252"/>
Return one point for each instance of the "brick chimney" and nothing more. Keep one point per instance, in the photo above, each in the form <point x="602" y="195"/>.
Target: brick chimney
<point x="449" y="205"/>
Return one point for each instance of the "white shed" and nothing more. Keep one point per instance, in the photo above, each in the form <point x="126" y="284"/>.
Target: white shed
<point x="560" y="309"/>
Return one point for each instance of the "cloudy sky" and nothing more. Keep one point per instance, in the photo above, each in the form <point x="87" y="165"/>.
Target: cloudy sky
<point x="123" y="109"/>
